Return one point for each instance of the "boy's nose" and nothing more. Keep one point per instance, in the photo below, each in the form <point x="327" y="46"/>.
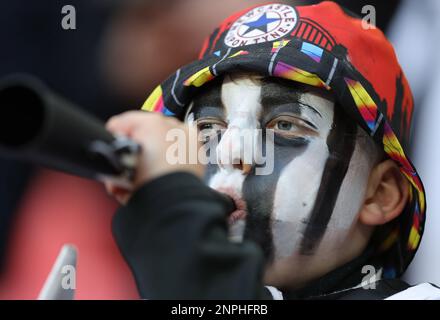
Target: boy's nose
<point x="235" y="150"/>
<point x="245" y="168"/>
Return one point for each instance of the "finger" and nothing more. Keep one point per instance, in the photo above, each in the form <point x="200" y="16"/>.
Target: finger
<point x="115" y="191"/>
<point x="108" y="185"/>
<point x="126" y="122"/>
<point x="123" y="199"/>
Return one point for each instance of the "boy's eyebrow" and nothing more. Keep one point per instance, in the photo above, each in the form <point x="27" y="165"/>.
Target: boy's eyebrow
<point x="279" y="92"/>
<point x="207" y="111"/>
<point x="302" y="104"/>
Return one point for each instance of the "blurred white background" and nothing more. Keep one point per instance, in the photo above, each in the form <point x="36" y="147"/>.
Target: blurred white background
<point x="415" y="33"/>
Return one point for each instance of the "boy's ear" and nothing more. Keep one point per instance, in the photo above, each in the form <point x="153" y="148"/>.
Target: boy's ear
<point x="386" y="196"/>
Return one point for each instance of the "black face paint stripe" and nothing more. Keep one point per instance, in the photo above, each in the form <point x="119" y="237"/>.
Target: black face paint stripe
<point x="208" y="103"/>
<point x="259" y="194"/>
<point x="285" y="92"/>
<point x="259" y="191"/>
<point x="341" y="143"/>
<point x="209" y="100"/>
<point x="211" y="168"/>
<point x="275" y="92"/>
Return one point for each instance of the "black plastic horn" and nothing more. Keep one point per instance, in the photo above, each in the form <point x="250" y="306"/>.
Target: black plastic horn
<point x="38" y="126"/>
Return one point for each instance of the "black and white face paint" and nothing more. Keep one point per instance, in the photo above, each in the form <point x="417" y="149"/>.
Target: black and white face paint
<point x="309" y="203"/>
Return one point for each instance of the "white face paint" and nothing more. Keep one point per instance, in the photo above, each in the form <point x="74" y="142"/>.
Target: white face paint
<point x="279" y="206"/>
<point x="244" y="95"/>
<point x="291" y="209"/>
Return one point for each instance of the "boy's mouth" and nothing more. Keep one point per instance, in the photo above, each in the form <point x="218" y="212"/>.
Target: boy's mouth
<point x="240" y="212"/>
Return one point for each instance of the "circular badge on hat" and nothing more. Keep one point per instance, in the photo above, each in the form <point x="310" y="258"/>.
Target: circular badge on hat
<point x="262" y="24"/>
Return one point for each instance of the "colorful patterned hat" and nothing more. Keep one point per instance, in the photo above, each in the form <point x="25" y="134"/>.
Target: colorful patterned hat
<point x="323" y="46"/>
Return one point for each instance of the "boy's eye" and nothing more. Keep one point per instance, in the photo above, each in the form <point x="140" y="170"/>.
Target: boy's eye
<point x="206" y="126"/>
<point x="291" y="126"/>
<point x="284" y="125"/>
<point x="210" y="126"/>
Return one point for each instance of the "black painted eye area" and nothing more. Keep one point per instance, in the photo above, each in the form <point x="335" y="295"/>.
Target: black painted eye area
<point x="210" y="127"/>
<point x="291" y="126"/>
<point x="206" y="126"/>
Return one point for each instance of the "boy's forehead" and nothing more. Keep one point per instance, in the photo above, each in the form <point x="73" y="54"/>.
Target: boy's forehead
<point x="224" y="92"/>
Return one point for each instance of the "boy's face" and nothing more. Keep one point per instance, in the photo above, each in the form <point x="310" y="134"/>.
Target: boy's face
<point x="307" y="206"/>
